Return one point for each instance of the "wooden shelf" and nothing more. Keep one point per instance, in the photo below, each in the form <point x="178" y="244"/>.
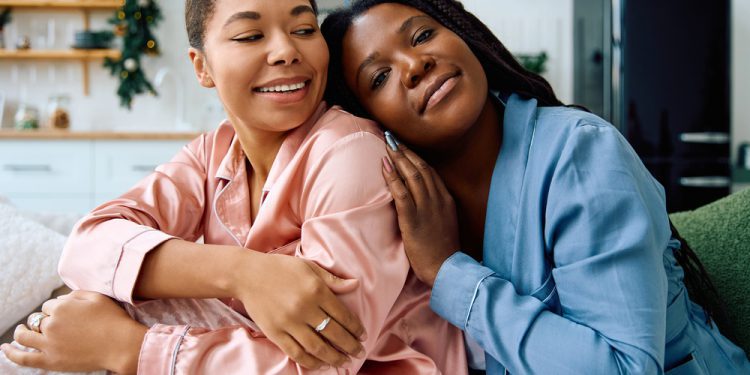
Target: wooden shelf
<point x="72" y="54"/>
<point x="77" y="4"/>
<point x="83" y="55"/>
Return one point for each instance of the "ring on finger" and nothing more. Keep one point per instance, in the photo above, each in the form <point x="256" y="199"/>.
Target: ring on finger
<point x="320" y="327"/>
<point x="34" y="321"/>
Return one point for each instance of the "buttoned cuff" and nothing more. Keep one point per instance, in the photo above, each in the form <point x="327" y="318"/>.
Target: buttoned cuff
<point x="159" y="349"/>
<point x="131" y="259"/>
<point x="456" y="287"/>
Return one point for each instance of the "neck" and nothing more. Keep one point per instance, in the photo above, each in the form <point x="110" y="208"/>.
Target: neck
<point x="479" y="148"/>
<point x="260" y="148"/>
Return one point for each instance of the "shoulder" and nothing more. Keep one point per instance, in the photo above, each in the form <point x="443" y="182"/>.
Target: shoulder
<point x="338" y="131"/>
<point x="583" y="138"/>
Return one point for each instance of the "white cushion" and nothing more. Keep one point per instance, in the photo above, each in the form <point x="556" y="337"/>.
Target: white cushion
<point x="29" y="253"/>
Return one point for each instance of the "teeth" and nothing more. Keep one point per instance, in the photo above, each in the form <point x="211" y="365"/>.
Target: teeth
<point x="283" y="88"/>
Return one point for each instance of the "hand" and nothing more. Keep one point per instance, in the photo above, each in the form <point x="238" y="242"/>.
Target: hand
<point x="84" y="331"/>
<point x="288" y="297"/>
<point x="426" y="212"/>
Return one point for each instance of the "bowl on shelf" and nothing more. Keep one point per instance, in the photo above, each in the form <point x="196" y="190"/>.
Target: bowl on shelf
<point x="87" y="39"/>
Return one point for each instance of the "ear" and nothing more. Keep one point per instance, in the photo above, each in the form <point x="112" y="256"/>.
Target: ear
<point x="200" y="65"/>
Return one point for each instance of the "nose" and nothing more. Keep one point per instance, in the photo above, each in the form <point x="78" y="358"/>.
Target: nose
<point x="415" y="69"/>
<point x="283" y="51"/>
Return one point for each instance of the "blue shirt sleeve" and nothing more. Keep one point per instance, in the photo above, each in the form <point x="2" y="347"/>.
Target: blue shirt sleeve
<point x="606" y="224"/>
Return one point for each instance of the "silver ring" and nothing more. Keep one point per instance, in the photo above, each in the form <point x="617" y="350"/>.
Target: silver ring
<point x="34" y="321"/>
<point x="323" y="324"/>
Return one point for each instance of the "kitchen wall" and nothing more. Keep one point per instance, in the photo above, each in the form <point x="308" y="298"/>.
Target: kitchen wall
<point x="740" y="74"/>
<point x="34" y="81"/>
<point x="533" y="26"/>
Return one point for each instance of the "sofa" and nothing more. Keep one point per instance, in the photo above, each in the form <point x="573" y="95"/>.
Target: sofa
<point x="719" y="233"/>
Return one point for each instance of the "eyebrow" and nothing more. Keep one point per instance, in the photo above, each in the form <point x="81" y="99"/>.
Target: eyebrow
<point x="248" y="15"/>
<point x="408" y="23"/>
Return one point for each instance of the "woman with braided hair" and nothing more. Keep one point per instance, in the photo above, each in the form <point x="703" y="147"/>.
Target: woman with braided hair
<point x="541" y="233"/>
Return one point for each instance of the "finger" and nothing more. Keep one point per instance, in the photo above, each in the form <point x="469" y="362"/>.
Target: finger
<point x="335" y="283"/>
<point x="28" y="338"/>
<point x="314" y="345"/>
<point x="342" y="339"/>
<point x="425" y="170"/>
<point x="24" y="358"/>
<point x="296" y="353"/>
<point x="333" y="307"/>
<point x="405" y="206"/>
<point x="411" y="175"/>
<point x="49" y="306"/>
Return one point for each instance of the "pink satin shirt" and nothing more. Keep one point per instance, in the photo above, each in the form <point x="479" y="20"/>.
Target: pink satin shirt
<point x="324" y="200"/>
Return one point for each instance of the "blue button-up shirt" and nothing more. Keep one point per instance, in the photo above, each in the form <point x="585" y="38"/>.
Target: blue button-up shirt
<point x="578" y="273"/>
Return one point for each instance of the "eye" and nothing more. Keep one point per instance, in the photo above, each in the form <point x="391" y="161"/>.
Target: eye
<point x="423" y="36"/>
<point x="249" y="38"/>
<point x="305" y="31"/>
<point x="378" y="79"/>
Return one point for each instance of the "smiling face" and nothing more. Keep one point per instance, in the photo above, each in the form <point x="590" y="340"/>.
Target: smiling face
<point x="267" y="61"/>
<point x="416" y="77"/>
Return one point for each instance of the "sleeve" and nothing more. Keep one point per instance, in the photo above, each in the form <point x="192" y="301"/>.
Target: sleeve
<point x="606" y="226"/>
<point x="349" y="228"/>
<point x="105" y="250"/>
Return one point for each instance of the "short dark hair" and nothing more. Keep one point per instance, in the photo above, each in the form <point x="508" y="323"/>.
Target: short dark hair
<point x="197" y="14"/>
<point x="504" y="73"/>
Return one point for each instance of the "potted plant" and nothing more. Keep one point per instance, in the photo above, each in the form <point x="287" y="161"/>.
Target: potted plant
<point x="4" y="20"/>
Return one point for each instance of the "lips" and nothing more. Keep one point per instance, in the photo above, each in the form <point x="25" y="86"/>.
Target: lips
<point x="436" y="91"/>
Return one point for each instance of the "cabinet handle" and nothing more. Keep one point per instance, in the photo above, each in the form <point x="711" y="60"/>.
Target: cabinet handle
<point x="28" y="168"/>
<point x="143" y="168"/>
<point x="706" y="182"/>
<point x="707" y="137"/>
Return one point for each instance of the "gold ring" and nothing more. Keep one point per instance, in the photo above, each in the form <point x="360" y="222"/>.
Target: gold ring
<point x="34" y="321"/>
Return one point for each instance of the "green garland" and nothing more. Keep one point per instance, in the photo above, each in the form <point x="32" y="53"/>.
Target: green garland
<point x="134" y="22"/>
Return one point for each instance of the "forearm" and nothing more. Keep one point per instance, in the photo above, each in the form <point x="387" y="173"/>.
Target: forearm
<point x="182" y="269"/>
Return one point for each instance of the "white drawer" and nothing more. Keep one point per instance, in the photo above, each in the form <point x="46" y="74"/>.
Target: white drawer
<point x="30" y="167"/>
<point x="121" y="164"/>
<point x="64" y="203"/>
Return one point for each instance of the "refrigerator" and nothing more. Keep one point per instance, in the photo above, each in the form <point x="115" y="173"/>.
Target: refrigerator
<point x="660" y="72"/>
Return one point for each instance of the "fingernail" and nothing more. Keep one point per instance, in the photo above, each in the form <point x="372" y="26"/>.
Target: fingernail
<point x="391" y="140"/>
<point x="363" y="337"/>
<point x="387" y="165"/>
<point x="325" y="367"/>
<point x="360" y="354"/>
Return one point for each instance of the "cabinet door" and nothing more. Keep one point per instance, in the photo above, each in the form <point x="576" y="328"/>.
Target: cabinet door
<point x="121" y="164"/>
<point x="51" y="168"/>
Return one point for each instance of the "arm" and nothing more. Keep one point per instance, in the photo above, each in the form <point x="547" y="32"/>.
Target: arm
<point x="106" y="249"/>
<point x="606" y="226"/>
<point x="141" y="245"/>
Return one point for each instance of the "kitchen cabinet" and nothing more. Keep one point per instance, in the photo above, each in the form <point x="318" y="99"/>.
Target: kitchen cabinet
<point x="79" y="171"/>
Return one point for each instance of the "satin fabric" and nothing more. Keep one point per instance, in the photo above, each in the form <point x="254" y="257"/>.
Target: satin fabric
<point x="578" y="274"/>
<point x="325" y="200"/>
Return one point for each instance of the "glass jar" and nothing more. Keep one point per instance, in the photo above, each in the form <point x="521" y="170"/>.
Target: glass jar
<point x="27" y="117"/>
<point x="58" y="110"/>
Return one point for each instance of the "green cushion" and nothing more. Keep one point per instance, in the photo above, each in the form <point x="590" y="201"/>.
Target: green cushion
<point x="720" y="234"/>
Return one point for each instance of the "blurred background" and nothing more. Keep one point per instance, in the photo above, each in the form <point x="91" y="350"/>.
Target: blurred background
<point x="668" y="74"/>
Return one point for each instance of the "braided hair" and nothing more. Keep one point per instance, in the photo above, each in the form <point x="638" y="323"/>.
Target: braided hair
<point x="504" y="74"/>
